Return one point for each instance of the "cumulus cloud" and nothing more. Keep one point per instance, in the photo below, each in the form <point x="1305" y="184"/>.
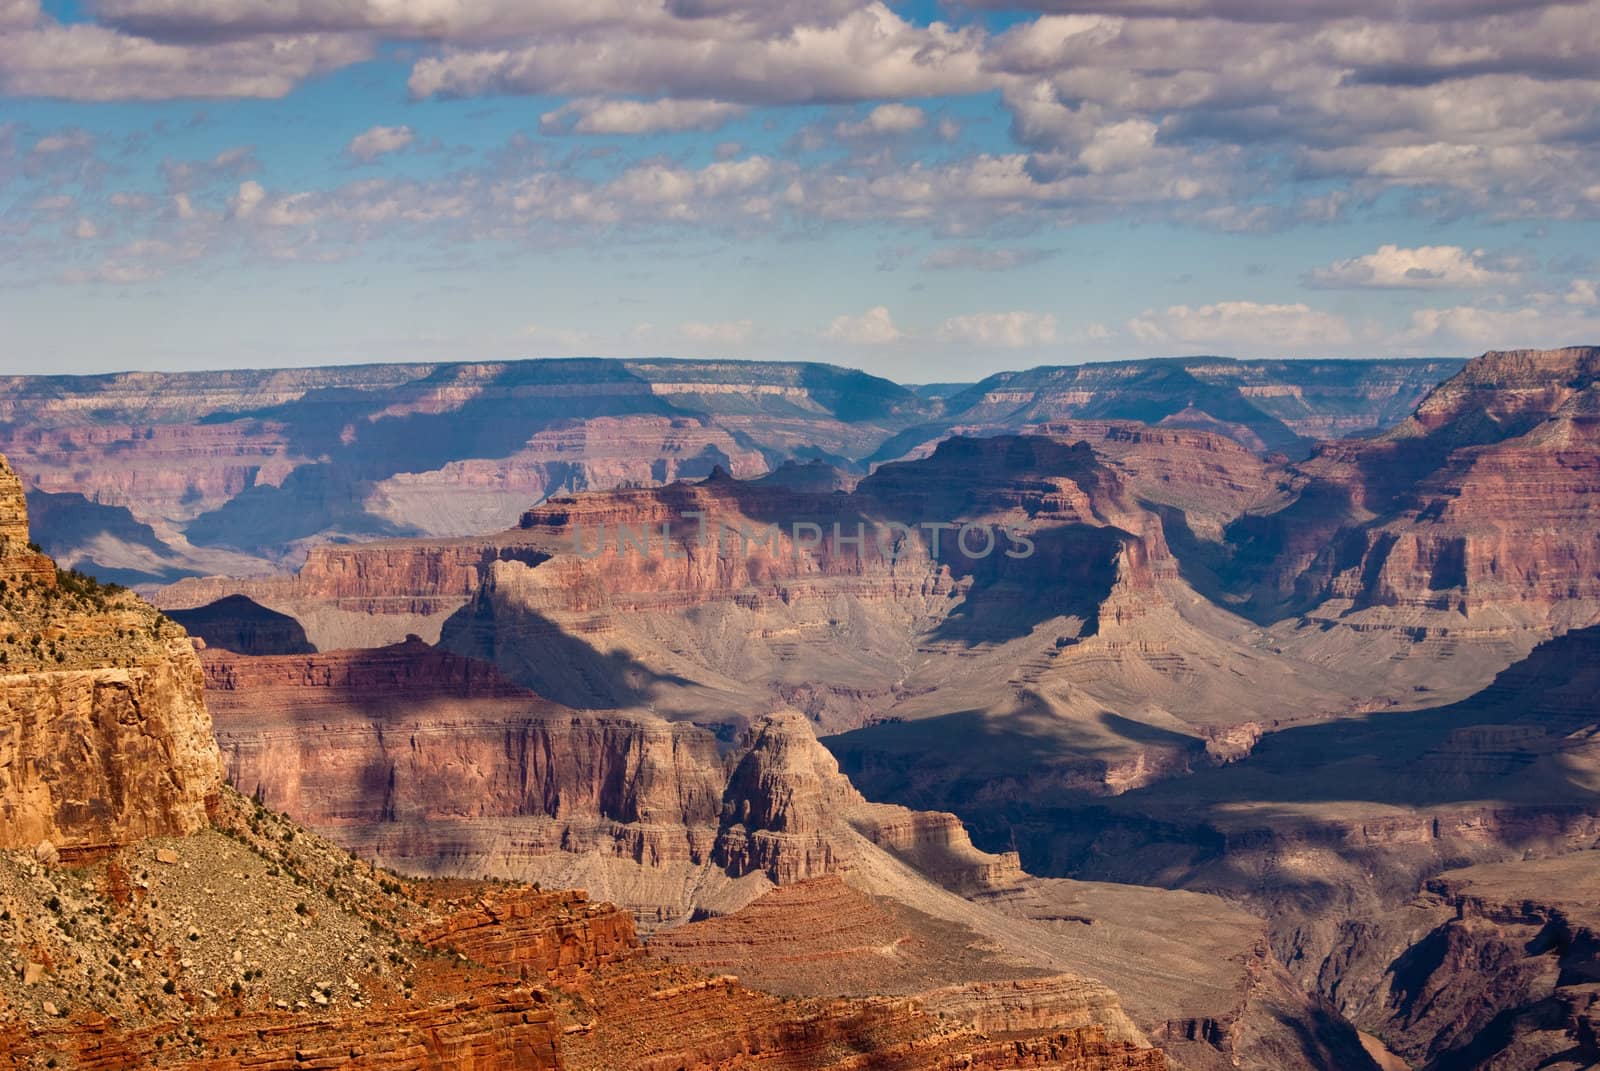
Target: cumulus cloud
<point x="18" y="13"/>
<point x="885" y="119"/>
<point x="234" y="163"/>
<point x="875" y="327"/>
<point x="1422" y="268"/>
<point x="867" y="53"/>
<point x="1130" y="109"/>
<point x="247" y="200"/>
<point x="93" y="63"/>
<point x="1476" y="328"/>
<point x="598" y="116"/>
<point x="1243" y="326"/>
<point x="1008" y="330"/>
<point x="378" y="141"/>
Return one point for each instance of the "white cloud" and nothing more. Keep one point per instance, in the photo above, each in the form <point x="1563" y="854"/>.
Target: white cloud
<point x="85" y="229"/>
<point x="977" y="258"/>
<point x="379" y="140"/>
<point x="1118" y="146"/>
<point x="247" y="200"/>
<point x="1243" y="326"/>
<point x="92" y="63"/>
<point x="718" y="333"/>
<point x="1425" y="267"/>
<point x="875" y="327"/>
<point x="866" y="53"/>
<point x="1010" y="330"/>
<point x="1583" y="292"/>
<point x="885" y="119"/>
<point x="18" y="13"/>
<point x="1488" y="327"/>
<point x="597" y="116"/>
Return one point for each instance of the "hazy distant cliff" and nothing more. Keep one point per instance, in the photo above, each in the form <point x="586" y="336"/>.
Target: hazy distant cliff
<point x="146" y="477"/>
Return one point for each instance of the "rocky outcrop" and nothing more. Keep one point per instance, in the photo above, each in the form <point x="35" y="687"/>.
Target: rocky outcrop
<point x="104" y="736"/>
<point x="431" y="761"/>
<point x="1493" y="965"/>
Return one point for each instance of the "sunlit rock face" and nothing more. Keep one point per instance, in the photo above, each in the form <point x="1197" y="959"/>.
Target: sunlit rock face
<point x="104" y="734"/>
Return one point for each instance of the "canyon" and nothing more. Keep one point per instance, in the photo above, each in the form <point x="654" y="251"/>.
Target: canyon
<point x="1264" y="741"/>
<point x="119" y="831"/>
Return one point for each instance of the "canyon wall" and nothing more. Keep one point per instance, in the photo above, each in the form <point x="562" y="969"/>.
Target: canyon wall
<point x="104" y="735"/>
<point x="164" y="475"/>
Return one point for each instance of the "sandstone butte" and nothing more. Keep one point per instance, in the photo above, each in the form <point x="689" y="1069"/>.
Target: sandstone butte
<point x="155" y="918"/>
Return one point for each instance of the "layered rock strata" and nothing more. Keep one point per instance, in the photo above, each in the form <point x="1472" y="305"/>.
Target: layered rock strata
<point x="104" y="734"/>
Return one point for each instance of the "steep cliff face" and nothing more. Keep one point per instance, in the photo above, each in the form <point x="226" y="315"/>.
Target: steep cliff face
<point x="1442" y="550"/>
<point x="433" y="762"/>
<point x="1493" y="965"/>
<point x="104" y="736"/>
<point x="438" y="763"/>
<point x="1499" y="519"/>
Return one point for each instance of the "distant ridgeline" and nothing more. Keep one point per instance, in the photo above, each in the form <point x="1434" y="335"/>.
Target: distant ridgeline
<point x="146" y="477"/>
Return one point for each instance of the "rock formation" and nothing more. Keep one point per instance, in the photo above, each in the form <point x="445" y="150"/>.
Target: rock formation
<point x="196" y="929"/>
<point x="163" y="475"/>
<point x="1265" y="405"/>
<point x="104" y="735"/>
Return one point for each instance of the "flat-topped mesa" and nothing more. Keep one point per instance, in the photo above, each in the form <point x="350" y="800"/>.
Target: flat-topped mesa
<point x="104" y="737"/>
<point x="1002" y="510"/>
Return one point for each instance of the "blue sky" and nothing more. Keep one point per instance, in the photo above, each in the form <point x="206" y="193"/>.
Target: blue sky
<point x="927" y="191"/>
